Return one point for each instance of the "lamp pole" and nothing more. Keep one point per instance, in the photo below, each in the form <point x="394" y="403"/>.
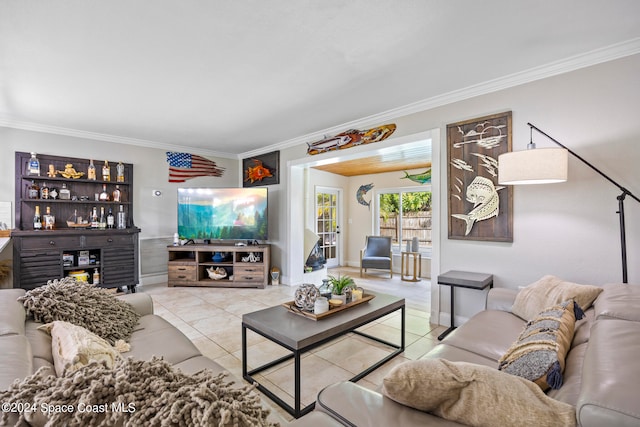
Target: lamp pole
<point x="621" y="197"/>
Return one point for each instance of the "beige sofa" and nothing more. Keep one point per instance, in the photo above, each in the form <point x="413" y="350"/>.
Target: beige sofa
<point x="601" y="377"/>
<point x="24" y="348"/>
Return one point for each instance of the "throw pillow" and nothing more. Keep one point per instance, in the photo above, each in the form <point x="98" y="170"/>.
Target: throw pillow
<point x="84" y="305"/>
<point x="74" y="347"/>
<point x="539" y="353"/>
<point x="549" y="291"/>
<point x="474" y="395"/>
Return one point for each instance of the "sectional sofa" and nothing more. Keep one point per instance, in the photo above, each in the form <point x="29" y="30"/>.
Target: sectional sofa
<point x="600" y="376"/>
<point x="600" y="381"/>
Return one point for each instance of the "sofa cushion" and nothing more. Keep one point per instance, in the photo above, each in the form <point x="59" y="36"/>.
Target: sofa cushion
<point x="583" y="328"/>
<point x="571" y="377"/>
<point x="40" y="340"/>
<point x="611" y="373"/>
<point x="474" y="394"/>
<point x="455" y="354"/>
<point x="12" y="313"/>
<point x="16" y="359"/>
<point x="158" y="337"/>
<point x="316" y="419"/>
<point x="73" y="347"/>
<point x="539" y="353"/>
<point x="488" y="333"/>
<point x="549" y="291"/>
<point x="619" y="301"/>
<point x="355" y="405"/>
<point x="198" y="363"/>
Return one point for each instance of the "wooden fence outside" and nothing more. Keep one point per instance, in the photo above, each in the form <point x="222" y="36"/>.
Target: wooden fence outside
<point x="414" y="224"/>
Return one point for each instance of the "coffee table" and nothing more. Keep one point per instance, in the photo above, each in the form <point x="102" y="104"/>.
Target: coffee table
<point x="299" y="334"/>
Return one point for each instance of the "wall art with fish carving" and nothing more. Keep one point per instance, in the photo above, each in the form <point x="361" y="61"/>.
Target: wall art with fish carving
<point x="479" y="208"/>
<point x="261" y="170"/>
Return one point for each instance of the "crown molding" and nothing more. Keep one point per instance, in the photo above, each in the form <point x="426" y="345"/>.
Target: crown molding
<point x="56" y="130"/>
<point x="594" y="57"/>
<point x="576" y="62"/>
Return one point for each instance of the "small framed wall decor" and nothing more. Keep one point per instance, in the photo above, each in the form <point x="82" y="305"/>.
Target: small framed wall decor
<point x="479" y="208"/>
<point x="261" y="170"/>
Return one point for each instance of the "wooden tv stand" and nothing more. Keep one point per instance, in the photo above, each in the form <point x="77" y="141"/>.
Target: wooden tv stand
<point x="188" y="265"/>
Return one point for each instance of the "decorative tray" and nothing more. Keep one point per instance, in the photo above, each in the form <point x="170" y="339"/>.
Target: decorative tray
<point x="293" y="308"/>
<point x="75" y="225"/>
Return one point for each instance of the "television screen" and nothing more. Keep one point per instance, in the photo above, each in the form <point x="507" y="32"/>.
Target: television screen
<point x="222" y="213"/>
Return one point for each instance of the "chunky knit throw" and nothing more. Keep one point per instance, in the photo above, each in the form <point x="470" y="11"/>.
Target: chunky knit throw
<point x="84" y="305"/>
<point x="136" y="393"/>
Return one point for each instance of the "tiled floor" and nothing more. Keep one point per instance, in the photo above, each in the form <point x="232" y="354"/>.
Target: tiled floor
<point x="211" y="318"/>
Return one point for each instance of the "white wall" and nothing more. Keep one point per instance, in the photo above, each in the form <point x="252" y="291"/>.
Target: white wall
<point x="155" y="216"/>
<point x="570" y="229"/>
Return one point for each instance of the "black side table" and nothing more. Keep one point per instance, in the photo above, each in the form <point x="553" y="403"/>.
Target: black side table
<point x="462" y="279"/>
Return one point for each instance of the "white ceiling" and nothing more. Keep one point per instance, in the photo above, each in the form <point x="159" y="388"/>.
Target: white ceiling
<point x="232" y="77"/>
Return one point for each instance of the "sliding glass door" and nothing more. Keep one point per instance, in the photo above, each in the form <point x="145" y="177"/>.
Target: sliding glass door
<point x="405" y="214"/>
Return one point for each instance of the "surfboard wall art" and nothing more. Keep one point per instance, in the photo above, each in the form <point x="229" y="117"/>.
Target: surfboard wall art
<point x="350" y="138"/>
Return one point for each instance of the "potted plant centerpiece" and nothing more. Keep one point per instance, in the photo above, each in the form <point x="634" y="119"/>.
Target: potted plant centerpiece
<point x="340" y="286"/>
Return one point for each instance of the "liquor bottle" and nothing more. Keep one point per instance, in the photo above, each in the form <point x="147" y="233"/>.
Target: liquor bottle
<point x="33" y="191"/>
<point x="122" y="218"/>
<point x="104" y="196"/>
<point x="102" y="222"/>
<point x="74" y="218"/>
<point x="120" y="172"/>
<point x="49" y="220"/>
<point x="117" y="194"/>
<point x="91" y="171"/>
<point x="106" y="171"/>
<point x="37" y="219"/>
<point x="96" y="277"/>
<point x="111" y="220"/>
<point x="44" y="191"/>
<point x="34" y="165"/>
<point x="94" y="218"/>
<point x="65" y="193"/>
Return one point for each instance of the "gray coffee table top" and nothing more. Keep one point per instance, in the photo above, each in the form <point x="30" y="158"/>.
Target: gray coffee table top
<point x="297" y="332"/>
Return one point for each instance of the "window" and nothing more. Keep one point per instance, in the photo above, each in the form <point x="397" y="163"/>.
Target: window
<point x="404" y="214"/>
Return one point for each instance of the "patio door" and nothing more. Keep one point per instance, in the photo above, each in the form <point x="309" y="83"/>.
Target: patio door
<point x="328" y="224"/>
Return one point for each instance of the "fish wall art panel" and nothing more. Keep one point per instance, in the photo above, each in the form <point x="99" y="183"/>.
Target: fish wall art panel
<point x="261" y="170"/>
<point x="479" y="208"/>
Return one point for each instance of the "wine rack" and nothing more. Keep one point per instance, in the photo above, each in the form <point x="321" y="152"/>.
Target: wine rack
<point x="39" y="254"/>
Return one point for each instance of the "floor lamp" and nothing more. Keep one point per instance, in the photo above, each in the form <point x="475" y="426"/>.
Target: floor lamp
<point x="549" y="165"/>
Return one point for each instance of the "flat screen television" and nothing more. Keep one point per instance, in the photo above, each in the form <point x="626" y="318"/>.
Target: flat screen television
<point x="223" y="213"/>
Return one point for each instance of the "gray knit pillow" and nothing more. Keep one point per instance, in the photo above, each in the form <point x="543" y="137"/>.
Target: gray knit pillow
<point x="83" y="305"/>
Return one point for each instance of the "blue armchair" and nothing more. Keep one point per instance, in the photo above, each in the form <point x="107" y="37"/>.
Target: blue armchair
<point x="376" y="254"/>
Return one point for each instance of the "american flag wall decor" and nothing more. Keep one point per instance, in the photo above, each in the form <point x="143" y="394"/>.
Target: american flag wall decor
<point x="183" y="166"/>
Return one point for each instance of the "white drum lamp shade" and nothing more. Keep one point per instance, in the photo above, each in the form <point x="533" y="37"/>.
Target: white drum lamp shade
<point x="533" y="166"/>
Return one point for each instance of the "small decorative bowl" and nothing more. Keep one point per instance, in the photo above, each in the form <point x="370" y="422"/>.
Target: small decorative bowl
<point x="333" y="303"/>
<point x="217" y="273"/>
